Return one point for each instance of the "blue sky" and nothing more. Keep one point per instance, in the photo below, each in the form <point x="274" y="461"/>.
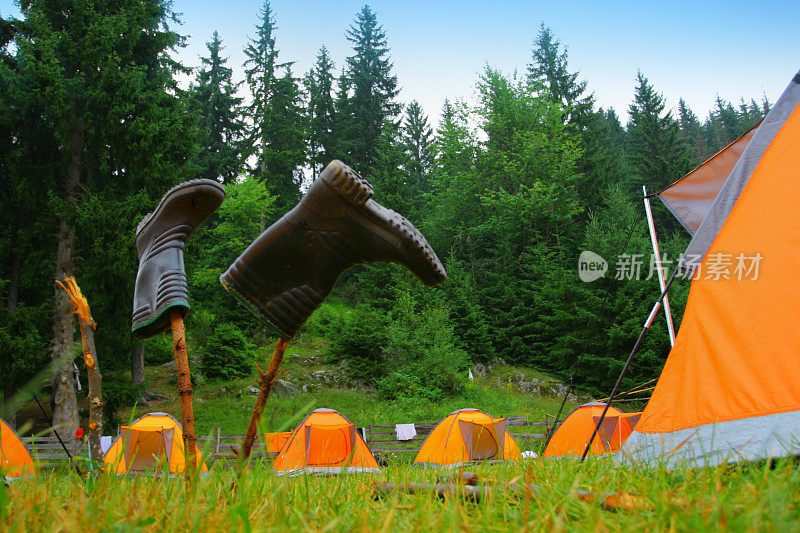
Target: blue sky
<point x="695" y="50"/>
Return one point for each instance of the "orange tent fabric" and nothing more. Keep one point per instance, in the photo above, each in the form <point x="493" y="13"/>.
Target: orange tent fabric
<point x="571" y="437"/>
<point x="690" y="198"/>
<point x="152" y="441"/>
<point x="275" y="441"/>
<point x="15" y="460"/>
<point x="325" y="442"/>
<point x="729" y="389"/>
<point x="466" y="436"/>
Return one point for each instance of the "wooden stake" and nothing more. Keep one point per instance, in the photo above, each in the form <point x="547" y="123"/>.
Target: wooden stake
<point x="184" y="389"/>
<point x="265" y="387"/>
<point x="87" y="325"/>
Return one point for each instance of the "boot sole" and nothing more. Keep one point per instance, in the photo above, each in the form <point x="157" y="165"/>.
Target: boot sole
<point x="356" y="190"/>
<point x="172" y="193"/>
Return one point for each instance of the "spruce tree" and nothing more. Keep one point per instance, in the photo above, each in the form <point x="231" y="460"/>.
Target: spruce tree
<point x="692" y="133"/>
<point x="100" y="76"/>
<point x="368" y="91"/>
<point x="275" y="131"/>
<point x="657" y="149"/>
<point x="417" y="140"/>
<point x="221" y="125"/>
<point x="548" y="71"/>
<point x="322" y="134"/>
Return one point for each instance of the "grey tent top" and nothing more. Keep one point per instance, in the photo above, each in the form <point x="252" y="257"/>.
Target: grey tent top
<point x="740" y="175"/>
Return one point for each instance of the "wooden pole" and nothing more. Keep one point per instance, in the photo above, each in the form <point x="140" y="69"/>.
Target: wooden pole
<point x="87" y="325"/>
<point x="95" y="391"/>
<point x="265" y="387"/>
<point x="184" y="389"/>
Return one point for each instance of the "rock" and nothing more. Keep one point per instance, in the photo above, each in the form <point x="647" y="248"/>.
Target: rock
<point x="150" y="396"/>
<point x="516" y="378"/>
<point x="142" y="402"/>
<point x="252" y="390"/>
<point x="169" y="365"/>
<point x="282" y="387"/>
<point x="480" y="370"/>
<point x="325" y="376"/>
<point x="198" y="400"/>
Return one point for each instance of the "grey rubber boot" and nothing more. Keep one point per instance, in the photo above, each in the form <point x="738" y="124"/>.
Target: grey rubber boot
<point x="160" y="240"/>
<point x="287" y="272"/>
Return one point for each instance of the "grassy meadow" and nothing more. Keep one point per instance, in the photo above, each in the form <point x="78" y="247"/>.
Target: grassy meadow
<point x="227" y="404"/>
<point x="737" y="498"/>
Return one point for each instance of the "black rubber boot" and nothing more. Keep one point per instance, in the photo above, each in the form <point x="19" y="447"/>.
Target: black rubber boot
<point x="160" y="240"/>
<point x="287" y="272"/>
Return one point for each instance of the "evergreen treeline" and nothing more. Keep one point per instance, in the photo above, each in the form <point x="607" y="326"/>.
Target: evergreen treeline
<point x="509" y="190"/>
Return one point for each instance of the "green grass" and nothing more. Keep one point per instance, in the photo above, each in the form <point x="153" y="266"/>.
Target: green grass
<point x="737" y="498"/>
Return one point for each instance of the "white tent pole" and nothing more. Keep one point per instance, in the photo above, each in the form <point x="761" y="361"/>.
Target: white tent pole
<point x="659" y="266"/>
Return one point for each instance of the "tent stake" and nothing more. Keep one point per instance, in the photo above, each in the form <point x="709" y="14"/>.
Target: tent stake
<point x="184" y="389"/>
<point x="265" y="387"/>
<point x="635" y="349"/>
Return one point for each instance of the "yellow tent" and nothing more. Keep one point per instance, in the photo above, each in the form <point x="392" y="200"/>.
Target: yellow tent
<point x="324" y="443"/>
<point x="571" y="437"/>
<point x="465" y="436"/>
<point x="15" y="460"/>
<point x="154" y="440"/>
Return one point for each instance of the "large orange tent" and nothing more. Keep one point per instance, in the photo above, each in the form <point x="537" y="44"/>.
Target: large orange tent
<point x="15" y="460"/>
<point x="325" y="442"/>
<point x="729" y="389"/>
<point x="570" y="439"/>
<point x="465" y="436"/>
<point x="152" y="441"/>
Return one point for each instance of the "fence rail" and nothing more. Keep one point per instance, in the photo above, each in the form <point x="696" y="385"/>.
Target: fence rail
<point x="382" y="438"/>
<point x="218" y="447"/>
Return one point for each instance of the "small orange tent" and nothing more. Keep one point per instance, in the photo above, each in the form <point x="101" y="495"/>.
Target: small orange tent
<point x="151" y="440"/>
<point x="325" y="442"/>
<point x="571" y="437"/>
<point x="468" y="435"/>
<point x="15" y="460"/>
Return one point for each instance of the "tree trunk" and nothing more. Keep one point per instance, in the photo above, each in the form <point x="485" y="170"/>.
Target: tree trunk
<point x="137" y="364"/>
<point x="65" y="408"/>
<point x="95" y="392"/>
<point x="13" y="275"/>
<point x="65" y="401"/>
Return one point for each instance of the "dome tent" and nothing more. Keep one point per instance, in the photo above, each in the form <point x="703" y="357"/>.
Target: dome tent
<point x="325" y="442"/>
<point x="152" y="441"/>
<point x="15" y="461"/>
<point x="570" y="439"/>
<point x="466" y="436"/>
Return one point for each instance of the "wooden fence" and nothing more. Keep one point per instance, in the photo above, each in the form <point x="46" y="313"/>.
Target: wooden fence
<point x="382" y="438"/>
<point x="218" y="447"/>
